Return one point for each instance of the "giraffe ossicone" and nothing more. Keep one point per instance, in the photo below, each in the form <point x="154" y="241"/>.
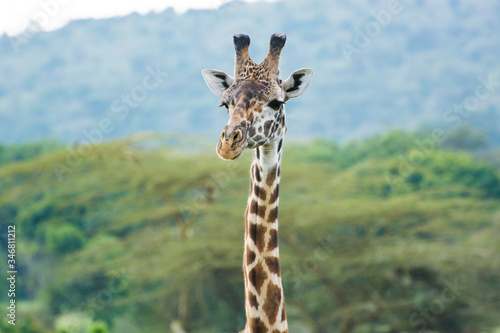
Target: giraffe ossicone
<point x="255" y="101"/>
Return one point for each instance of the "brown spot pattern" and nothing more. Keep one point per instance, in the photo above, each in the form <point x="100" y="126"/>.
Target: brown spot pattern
<point x="250" y="118"/>
<point x="257" y="171"/>
<point x="261" y="212"/>
<point x="272" y="303"/>
<point x="271" y="176"/>
<point x="260" y="192"/>
<point x="257" y="326"/>
<point x="273" y="215"/>
<point x="250" y="256"/>
<point x="273" y="240"/>
<point x="273" y="264"/>
<point x="251" y="132"/>
<point x="254" y="207"/>
<point x="275" y="195"/>
<point x="257" y="276"/>
<point x="257" y="234"/>
<point x="252" y="300"/>
<point x="267" y="127"/>
<point x="258" y="138"/>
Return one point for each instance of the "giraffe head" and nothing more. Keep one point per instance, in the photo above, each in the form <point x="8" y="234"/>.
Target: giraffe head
<point x="255" y="97"/>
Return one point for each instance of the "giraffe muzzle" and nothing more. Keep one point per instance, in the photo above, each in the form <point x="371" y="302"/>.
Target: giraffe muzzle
<point x="232" y="143"/>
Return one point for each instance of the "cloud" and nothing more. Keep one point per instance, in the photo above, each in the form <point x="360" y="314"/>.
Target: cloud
<point x="53" y="14"/>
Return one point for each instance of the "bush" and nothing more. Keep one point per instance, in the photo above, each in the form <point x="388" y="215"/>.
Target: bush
<point x="99" y="327"/>
<point x="63" y="239"/>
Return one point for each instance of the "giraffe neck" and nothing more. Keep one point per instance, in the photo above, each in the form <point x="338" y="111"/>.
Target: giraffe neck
<point x="264" y="301"/>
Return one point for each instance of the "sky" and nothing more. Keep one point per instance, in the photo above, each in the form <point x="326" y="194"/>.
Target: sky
<point x="16" y="15"/>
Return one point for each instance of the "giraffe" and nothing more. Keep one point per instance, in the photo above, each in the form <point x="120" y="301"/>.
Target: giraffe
<point x="255" y="100"/>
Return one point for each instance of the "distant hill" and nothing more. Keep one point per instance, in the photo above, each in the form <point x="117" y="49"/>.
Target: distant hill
<point x="422" y="58"/>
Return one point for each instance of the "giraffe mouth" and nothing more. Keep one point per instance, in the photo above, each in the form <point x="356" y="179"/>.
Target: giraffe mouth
<point x="230" y="153"/>
<point x="238" y="155"/>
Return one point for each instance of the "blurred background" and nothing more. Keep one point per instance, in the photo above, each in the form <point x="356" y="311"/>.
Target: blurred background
<point x="127" y="221"/>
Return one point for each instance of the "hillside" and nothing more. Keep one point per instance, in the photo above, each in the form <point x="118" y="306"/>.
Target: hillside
<point x="140" y="236"/>
<point x="421" y="61"/>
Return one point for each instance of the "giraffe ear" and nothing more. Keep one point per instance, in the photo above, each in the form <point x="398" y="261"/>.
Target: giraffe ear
<point x="217" y="81"/>
<point x="297" y="83"/>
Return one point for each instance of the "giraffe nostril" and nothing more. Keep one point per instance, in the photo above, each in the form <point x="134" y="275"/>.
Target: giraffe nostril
<point x="237" y="136"/>
<point x="222" y="135"/>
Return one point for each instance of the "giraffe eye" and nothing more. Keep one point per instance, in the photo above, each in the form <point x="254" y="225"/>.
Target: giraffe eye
<point x="224" y="104"/>
<point x="275" y="104"/>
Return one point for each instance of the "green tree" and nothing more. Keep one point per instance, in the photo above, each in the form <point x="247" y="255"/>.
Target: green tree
<point x="64" y="239"/>
<point x="99" y="327"/>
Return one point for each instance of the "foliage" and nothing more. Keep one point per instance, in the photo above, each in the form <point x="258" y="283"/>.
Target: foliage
<point x="465" y="138"/>
<point x="99" y="327"/>
<point x="64" y="239"/>
<point x="144" y="237"/>
<point x="26" y="151"/>
<point x="25" y="324"/>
